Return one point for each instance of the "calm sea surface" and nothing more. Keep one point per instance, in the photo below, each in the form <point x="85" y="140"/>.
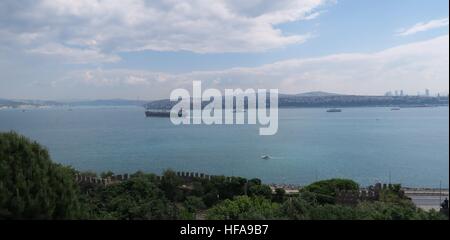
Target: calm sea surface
<point x="365" y="144"/>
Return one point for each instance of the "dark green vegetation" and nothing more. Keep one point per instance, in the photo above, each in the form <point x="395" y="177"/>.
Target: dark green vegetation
<point x="32" y="187"/>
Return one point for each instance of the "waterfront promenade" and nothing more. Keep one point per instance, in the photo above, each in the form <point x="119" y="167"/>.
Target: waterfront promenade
<point x="427" y="198"/>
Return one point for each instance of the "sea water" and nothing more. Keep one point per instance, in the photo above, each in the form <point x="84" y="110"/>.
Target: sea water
<point x="410" y="146"/>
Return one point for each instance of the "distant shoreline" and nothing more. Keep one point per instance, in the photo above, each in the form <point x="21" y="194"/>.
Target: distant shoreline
<point x="284" y="101"/>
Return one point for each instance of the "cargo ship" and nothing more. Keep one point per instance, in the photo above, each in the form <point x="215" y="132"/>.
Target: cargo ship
<point x="161" y="113"/>
<point x="334" y="110"/>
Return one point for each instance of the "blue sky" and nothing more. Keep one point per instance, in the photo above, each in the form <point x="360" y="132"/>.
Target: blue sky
<point x="348" y="26"/>
<point x="135" y="48"/>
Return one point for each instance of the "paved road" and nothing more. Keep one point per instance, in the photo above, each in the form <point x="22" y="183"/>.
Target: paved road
<point x="427" y="202"/>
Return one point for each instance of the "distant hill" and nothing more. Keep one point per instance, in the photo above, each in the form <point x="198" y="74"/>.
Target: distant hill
<point x="303" y="100"/>
<point x="107" y="102"/>
<point x="333" y="101"/>
<point x="317" y="94"/>
<point x="74" y="103"/>
<point x="10" y="103"/>
<point x="329" y="100"/>
<point x="5" y="102"/>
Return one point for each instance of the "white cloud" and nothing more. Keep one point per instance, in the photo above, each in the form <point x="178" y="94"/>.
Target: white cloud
<point x="424" y="26"/>
<point x="410" y="67"/>
<point x="110" y="26"/>
<point x="73" y="55"/>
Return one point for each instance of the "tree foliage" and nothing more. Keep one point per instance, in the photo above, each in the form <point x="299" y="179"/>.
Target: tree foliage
<point x="31" y="185"/>
<point x="136" y="199"/>
<point x="245" y="208"/>
<point x="326" y="190"/>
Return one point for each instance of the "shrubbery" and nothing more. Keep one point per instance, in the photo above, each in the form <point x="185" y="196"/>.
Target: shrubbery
<point x="325" y="191"/>
<point x="31" y="185"/>
<point x="245" y="208"/>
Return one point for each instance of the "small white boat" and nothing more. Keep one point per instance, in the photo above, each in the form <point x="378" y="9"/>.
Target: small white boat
<point x="265" y="157"/>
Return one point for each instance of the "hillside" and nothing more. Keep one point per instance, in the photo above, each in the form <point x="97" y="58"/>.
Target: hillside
<point x="329" y="100"/>
<point x="317" y="94"/>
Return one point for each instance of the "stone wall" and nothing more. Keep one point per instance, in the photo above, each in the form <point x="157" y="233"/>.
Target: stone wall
<point x="101" y="181"/>
<point x="187" y="176"/>
<point x="372" y="193"/>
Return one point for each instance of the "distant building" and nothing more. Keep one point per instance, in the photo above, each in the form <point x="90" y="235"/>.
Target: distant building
<point x="427" y="92"/>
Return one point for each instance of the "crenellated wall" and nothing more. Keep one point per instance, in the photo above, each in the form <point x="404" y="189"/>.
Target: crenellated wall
<point x="188" y="176"/>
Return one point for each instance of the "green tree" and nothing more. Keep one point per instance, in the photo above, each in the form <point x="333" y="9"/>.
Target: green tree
<point x="280" y="195"/>
<point x="170" y="184"/>
<point x="333" y="212"/>
<point x="326" y="190"/>
<point x="394" y="211"/>
<point x="136" y="199"/>
<point x="296" y="209"/>
<point x="245" y="208"/>
<point x="221" y="188"/>
<point x="260" y="190"/>
<point x="193" y="204"/>
<point x="211" y="197"/>
<point x="31" y="185"/>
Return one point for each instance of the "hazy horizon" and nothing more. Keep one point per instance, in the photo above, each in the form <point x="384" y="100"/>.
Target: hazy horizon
<point x="149" y="100"/>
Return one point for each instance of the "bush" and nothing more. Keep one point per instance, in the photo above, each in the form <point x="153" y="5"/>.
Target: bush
<point x="394" y="211"/>
<point x="326" y="190"/>
<point x="193" y="204"/>
<point x="31" y="185"/>
<point x="296" y="209"/>
<point x="279" y="196"/>
<point x="245" y="208"/>
<point x="260" y="190"/>
<point x="136" y="199"/>
<point x="170" y="184"/>
<point x="333" y="212"/>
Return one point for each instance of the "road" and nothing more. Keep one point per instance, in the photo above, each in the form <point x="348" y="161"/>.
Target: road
<point x="427" y="198"/>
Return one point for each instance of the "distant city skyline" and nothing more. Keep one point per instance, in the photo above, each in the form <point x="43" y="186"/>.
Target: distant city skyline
<point x="138" y="49"/>
<point x="426" y="92"/>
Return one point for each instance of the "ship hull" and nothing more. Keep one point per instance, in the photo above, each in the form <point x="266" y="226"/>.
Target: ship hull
<point x="161" y="114"/>
<point x="334" y="110"/>
<point x="157" y="114"/>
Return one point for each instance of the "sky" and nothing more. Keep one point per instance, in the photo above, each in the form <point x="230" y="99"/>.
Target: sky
<point x="142" y="49"/>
